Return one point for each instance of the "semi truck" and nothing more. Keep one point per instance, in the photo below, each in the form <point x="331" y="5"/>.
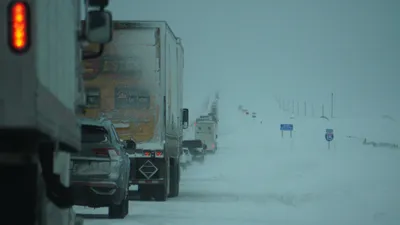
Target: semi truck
<point x="41" y="92"/>
<point x="138" y="85"/>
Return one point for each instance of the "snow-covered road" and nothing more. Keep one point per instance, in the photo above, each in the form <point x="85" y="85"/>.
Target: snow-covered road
<point x="257" y="177"/>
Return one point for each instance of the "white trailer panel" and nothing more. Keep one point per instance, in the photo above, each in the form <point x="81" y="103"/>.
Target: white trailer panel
<point x="39" y="88"/>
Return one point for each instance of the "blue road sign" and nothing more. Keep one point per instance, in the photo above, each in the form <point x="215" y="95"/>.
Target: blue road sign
<point x="329" y="131"/>
<point x="329" y="137"/>
<point x="286" y="127"/>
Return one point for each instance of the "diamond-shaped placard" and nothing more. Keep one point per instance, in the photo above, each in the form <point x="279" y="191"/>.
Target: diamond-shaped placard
<point x="148" y="164"/>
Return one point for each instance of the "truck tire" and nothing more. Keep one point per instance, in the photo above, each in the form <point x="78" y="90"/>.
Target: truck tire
<point x="119" y="211"/>
<point x="174" y="180"/>
<point x="160" y="193"/>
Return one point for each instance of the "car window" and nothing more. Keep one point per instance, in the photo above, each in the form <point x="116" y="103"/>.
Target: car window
<point x="94" y="134"/>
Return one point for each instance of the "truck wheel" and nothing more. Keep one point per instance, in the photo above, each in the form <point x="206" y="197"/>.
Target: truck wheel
<point x="174" y="181"/>
<point x="160" y="193"/>
<point x="119" y="211"/>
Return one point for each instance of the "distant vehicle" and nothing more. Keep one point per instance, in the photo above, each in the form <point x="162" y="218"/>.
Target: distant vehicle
<point x="206" y="131"/>
<point x="186" y="158"/>
<point x="254" y="115"/>
<point x="196" y="148"/>
<point x="100" y="172"/>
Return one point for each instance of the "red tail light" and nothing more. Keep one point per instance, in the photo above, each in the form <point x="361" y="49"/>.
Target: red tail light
<point x="212" y="146"/>
<point x="19" y="26"/>
<point x="159" y="153"/>
<point x="104" y="151"/>
<point x="147" y="153"/>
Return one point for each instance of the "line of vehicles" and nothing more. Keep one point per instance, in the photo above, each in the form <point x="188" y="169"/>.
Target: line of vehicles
<point x="205" y="136"/>
<point x="132" y="126"/>
<point x="246" y="112"/>
<point x="88" y="108"/>
<point x="134" y="118"/>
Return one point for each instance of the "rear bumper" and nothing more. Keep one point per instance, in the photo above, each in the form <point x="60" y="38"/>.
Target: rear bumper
<point x="95" y="194"/>
<point x="196" y="152"/>
<point x="143" y="173"/>
<point x="147" y="181"/>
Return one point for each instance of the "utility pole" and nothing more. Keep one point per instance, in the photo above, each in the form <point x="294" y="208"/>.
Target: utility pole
<point x="293" y="107"/>
<point x="332" y="105"/>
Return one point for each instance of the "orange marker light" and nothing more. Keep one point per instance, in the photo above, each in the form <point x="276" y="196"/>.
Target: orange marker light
<point x="19" y="26"/>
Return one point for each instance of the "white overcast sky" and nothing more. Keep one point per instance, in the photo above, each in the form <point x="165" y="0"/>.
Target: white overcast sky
<point x="298" y="49"/>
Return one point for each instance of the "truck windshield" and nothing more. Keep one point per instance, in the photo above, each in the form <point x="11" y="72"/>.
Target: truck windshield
<point x="128" y="98"/>
<point x="94" y="134"/>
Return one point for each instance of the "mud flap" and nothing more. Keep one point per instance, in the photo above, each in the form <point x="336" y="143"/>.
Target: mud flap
<point x="174" y="180"/>
<point x="56" y="192"/>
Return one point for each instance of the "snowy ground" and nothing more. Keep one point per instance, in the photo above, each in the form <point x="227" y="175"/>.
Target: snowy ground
<point x="257" y="177"/>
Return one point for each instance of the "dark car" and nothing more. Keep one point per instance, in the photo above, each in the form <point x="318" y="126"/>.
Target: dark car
<point x="100" y="172"/>
<point x="196" y="148"/>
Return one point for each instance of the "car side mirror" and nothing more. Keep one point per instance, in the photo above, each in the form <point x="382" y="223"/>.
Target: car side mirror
<point x="98" y="27"/>
<point x="185" y="118"/>
<point x="130" y="144"/>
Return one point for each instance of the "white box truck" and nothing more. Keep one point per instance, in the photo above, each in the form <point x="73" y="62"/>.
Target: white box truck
<point x="206" y="131"/>
<point x="40" y="91"/>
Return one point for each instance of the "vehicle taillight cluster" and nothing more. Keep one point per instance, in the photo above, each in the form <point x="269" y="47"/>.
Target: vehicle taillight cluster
<point x="105" y="151"/>
<point x="19" y="26"/>
<point x="157" y="153"/>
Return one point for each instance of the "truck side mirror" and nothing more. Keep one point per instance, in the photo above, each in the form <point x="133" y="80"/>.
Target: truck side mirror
<point x="185" y="118"/>
<point x="130" y="144"/>
<point x="98" y="27"/>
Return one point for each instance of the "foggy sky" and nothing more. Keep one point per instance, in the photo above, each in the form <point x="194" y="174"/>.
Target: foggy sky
<point x="298" y="49"/>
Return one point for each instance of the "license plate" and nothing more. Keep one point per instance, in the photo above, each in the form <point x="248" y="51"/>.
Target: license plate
<point x="91" y="168"/>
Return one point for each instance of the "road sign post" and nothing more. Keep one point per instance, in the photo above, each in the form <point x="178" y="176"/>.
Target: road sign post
<point x="287" y="127"/>
<point x="329" y="136"/>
